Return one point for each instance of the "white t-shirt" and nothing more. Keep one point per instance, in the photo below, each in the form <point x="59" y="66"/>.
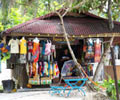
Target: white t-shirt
<point x="14" y="46"/>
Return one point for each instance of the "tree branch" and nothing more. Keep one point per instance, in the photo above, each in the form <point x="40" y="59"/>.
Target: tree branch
<point x="66" y="11"/>
<point x="79" y="5"/>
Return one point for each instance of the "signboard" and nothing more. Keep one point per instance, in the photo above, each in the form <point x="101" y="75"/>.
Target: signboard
<point x="62" y="40"/>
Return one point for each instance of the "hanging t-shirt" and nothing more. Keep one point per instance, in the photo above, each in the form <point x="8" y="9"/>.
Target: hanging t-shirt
<point x="48" y="48"/>
<point x="36" y="51"/>
<point x="97" y="52"/>
<point x="23" y="46"/>
<point x="14" y="46"/>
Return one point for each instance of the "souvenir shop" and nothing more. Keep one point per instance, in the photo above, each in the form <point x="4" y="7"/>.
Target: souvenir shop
<point x="35" y="60"/>
<point x="36" y="57"/>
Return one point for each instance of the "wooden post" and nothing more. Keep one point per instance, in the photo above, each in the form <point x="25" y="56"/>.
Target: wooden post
<point x="114" y="70"/>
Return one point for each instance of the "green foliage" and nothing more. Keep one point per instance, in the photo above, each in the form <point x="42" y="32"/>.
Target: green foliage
<point x="15" y="18"/>
<point x="110" y="87"/>
<point x="24" y="10"/>
<point x="96" y="87"/>
<point x="14" y="12"/>
<point x="1" y="27"/>
<point x="56" y="5"/>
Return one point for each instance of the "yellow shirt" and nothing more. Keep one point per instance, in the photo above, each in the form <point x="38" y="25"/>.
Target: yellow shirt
<point x="23" y="46"/>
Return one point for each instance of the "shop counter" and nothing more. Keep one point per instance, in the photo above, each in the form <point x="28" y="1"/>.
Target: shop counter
<point x="108" y="70"/>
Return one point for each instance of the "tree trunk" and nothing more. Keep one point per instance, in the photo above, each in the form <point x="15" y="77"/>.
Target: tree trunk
<point x="98" y="69"/>
<point x="114" y="70"/>
<point x="5" y="8"/>
<point x="111" y="24"/>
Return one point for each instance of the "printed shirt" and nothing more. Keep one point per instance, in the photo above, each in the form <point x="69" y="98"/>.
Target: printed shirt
<point x="23" y="46"/>
<point x="14" y="46"/>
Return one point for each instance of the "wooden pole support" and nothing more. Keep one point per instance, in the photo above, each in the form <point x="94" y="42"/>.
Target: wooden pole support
<point x="114" y="70"/>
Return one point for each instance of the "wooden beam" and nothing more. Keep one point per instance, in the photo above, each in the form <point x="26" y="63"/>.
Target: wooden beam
<point x="70" y="35"/>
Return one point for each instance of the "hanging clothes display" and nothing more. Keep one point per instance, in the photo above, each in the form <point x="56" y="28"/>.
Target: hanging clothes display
<point x="48" y="48"/>
<point x="14" y="50"/>
<point x="36" y="50"/>
<point x="23" y="46"/>
<point x="37" y="56"/>
<point x="43" y="47"/>
<point x="23" y="51"/>
<point x="89" y="51"/>
<point x="45" y="70"/>
<point x="53" y="50"/>
<point x="92" y="52"/>
<point x="51" y="69"/>
<point x="14" y="46"/>
<point x="97" y="52"/>
<point x="56" y="71"/>
<point x="42" y="64"/>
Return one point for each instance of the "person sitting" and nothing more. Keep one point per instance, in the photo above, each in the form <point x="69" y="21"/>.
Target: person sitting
<point x="64" y="57"/>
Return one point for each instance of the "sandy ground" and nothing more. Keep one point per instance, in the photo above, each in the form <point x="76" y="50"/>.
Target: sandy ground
<point x="44" y="95"/>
